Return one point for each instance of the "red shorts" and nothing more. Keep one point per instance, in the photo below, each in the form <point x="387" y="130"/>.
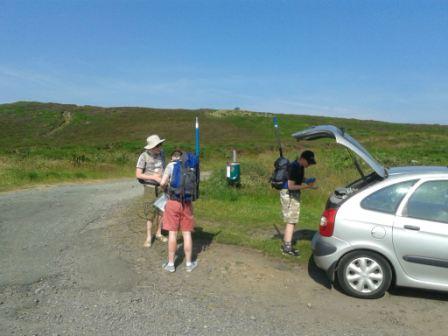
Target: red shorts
<point x="178" y="216"/>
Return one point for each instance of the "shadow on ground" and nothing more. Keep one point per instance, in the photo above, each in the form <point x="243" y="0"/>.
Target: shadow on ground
<point x="318" y="275"/>
<point x="304" y="234"/>
<point x="418" y="293"/>
<point x="201" y="241"/>
<point x="314" y="272"/>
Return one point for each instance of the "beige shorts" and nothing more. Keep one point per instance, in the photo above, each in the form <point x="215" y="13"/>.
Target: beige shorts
<point x="150" y="194"/>
<point x="290" y="207"/>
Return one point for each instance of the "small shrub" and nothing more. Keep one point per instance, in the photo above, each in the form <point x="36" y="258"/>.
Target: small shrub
<point x="53" y="174"/>
<point x="122" y="159"/>
<point x="33" y="176"/>
<point x="78" y="160"/>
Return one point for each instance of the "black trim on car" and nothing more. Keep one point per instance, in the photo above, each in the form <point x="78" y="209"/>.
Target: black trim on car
<point x="323" y="248"/>
<point x="331" y="271"/>
<point x="427" y="261"/>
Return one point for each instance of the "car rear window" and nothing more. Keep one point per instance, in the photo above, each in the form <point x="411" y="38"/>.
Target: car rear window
<point x="387" y="199"/>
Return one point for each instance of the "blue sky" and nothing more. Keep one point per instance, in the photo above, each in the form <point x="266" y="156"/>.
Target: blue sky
<point x="382" y="60"/>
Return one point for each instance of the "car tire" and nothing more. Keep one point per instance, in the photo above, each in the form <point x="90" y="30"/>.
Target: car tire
<point x="364" y="274"/>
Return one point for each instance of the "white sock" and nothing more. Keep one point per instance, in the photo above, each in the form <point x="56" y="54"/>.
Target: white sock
<point x="170" y="264"/>
<point x="188" y="263"/>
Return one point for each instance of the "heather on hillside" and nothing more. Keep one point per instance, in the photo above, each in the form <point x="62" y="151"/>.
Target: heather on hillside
<point x="50" y="143"/>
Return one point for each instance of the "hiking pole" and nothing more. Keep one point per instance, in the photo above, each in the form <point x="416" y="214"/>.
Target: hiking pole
<point x="197" y="137"/>
<point x="277" y="136"/>
<point x="279" y="177"/>
<point x="197" y="152"/>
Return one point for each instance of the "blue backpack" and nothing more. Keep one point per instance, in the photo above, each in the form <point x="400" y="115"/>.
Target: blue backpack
<point x="184" y="183"/>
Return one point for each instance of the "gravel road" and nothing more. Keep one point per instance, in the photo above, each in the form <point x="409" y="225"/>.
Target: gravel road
<point x="71" y="263"/>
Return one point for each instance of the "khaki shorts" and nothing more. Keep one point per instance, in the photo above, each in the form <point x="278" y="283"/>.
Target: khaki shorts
<point x="150" y="193"/>
<point x="290" y="207"/>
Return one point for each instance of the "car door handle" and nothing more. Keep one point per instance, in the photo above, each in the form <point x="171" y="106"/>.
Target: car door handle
<point x="412" y="227"/>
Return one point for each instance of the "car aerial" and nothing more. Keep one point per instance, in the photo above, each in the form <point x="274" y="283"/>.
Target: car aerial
<point x="388" y="227"/>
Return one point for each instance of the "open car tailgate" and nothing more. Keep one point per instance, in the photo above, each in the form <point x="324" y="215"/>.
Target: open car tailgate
<point x="343" y="138"/>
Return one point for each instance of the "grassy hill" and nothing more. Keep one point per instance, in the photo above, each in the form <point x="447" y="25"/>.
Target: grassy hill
<point x="48" y="143"/>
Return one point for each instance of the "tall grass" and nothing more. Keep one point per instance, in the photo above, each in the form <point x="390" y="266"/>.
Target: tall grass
<point x="29" y="171"/>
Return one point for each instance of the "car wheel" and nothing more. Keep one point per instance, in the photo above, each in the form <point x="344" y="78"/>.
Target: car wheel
<point x="364" y="274"/>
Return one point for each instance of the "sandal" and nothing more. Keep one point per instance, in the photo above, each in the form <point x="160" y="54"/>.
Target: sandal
<point x="161" y="238"/>
<point x="147" y="244"/>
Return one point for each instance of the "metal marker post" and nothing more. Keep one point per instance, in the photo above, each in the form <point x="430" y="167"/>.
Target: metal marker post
<point x="277" y="135"/>
<point x="197" y="137"/>
<point x="197" y="151"/>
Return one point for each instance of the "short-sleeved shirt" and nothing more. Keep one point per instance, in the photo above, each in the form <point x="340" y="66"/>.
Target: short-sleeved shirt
<point x="150" y="163"/>
<point x="169" y="170"/>
<point x="296" y="173"/>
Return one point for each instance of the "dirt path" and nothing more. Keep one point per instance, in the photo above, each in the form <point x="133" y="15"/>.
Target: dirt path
<point x="72" y="264"/>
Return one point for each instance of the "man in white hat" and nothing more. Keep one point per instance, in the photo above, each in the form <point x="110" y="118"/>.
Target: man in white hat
<point x="149" y="172"/>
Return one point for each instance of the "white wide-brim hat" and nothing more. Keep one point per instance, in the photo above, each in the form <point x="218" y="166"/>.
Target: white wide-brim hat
<point x="153" y="141"/>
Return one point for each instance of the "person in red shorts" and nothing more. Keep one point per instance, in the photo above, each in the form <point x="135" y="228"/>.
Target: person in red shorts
<point x="178" y="216"/>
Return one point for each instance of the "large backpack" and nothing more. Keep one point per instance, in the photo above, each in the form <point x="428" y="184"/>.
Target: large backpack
<point x="184" y="183"/>
<point x="280" y="174"/>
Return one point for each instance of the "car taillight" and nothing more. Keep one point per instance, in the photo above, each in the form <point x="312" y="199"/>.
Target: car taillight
<point x="326" y="226"/>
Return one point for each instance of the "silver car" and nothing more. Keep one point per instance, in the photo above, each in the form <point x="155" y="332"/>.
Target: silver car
<point x="390" y="226"/>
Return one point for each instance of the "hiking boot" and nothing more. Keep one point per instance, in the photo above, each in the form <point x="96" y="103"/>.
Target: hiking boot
<point x="289" y="250"/>
<point x="169" y="268"/>
<point x="192" y="266"/>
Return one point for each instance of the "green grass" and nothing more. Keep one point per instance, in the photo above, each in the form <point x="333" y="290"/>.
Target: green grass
<point x="250" y="215"/>
<point x="38" y="147"/>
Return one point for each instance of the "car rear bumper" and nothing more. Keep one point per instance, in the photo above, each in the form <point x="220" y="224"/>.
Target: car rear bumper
<point x="323" y="248"/>
<point x="327" y="251"/>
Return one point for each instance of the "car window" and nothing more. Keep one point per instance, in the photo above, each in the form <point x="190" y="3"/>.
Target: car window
<point x="387" y="199"/>
<point x="429" y="202"/>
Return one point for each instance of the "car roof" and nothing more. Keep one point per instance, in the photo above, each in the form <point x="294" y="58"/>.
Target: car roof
<point x="418" y="170"/>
